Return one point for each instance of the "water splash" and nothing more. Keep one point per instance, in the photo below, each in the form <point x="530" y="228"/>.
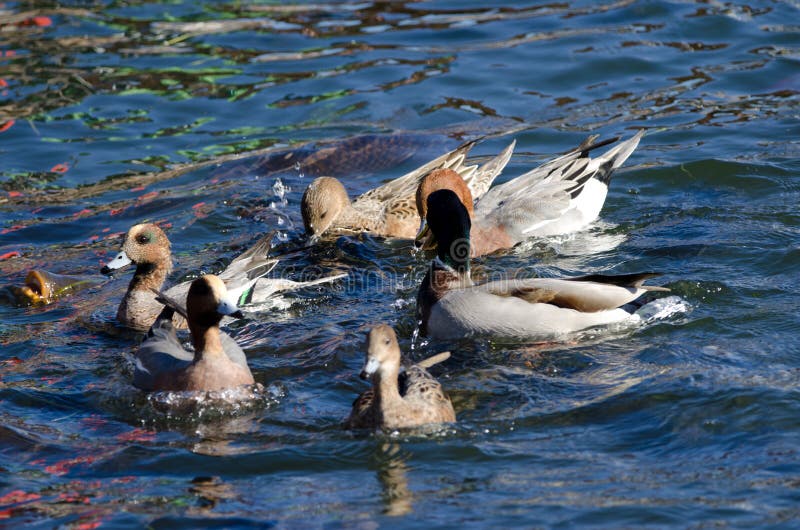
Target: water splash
<point x="663" y="309"/>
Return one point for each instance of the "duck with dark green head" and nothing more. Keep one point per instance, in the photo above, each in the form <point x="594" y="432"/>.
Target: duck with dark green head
<point x="450" y="305"/>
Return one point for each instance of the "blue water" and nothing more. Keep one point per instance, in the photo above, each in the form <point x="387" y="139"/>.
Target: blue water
<point x="113" y="113"/>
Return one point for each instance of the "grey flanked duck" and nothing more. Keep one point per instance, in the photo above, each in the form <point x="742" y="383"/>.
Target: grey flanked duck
<point x="450" y="305"/>
<point x="388" y="210"/>
<point x="398" y="399"/>
<point x="561" y="196"/>
<point x="147" y="247"/>
<point x="217" y="363"/>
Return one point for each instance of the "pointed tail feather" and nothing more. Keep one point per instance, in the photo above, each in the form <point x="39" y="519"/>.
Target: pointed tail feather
<point x="635" y="280"/>
<point x="620" y="153"/>
<point x="590" y="145"/>
<point x="261" y="247"/>
<point x="282" y="284"/>
<point x="434" y="359"/>
<point x="614" y="157"/>
<point x="170" y="303"/>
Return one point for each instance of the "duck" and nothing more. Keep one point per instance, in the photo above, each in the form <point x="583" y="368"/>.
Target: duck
<point x="451" y="306"/>
<point x="148" y="248"/>
<point x="398" y="398"/>
<point x="43" y="287"/>
<point x="217" y="362"/>
<point x="559" y="197"/>
<point x="388" y="210"/>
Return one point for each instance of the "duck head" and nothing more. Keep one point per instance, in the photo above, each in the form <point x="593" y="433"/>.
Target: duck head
<point x="145" y="246"/>
<point x="383" y="352"/>
<point x="449" y="221"/>
<point x="438" y="179"/>
<point x="208" y="301"/>
<point x="323" y="201"/>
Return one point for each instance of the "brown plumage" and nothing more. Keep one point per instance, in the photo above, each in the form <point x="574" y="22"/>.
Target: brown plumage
<point x="397" y="400"/>
<point x="217" y="362"/>
<point x="388" y="210"/>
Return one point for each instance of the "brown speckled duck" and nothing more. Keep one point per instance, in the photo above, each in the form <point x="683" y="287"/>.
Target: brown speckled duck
<point x="388" y="210"/>
<point x="398" y="400"/>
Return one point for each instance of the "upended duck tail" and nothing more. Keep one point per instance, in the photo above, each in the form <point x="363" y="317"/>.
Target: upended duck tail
<point x="615" y="157"/>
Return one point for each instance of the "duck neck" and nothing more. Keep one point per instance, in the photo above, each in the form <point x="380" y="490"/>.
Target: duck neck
<point x="440" y="279"/>
<point x="207" y="342"/>
<point x="149" y="276"/>
<point x="387" y="395"/>
<point x="455" y="254"/>
<point x="443" y="276"/>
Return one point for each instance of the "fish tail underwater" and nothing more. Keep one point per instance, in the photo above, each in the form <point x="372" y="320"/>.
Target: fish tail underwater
<point x="605" y="336"/>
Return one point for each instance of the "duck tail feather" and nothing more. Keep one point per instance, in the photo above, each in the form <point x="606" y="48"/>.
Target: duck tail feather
<point x="171" y="303"/>
<point x="260" y="248"/>
<point x="162" y="321"/>
<point x="434" y="359"/>
<point x="620" y="153"/>
<point x="634" y="280"/>
<point x="590" y="145"/>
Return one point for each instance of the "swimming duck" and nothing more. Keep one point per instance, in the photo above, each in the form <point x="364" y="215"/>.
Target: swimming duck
<point x="217" y="362"/>
<point x="450" y="305"/>
<point x="388" y="210"/>
<point x="148" y="247"/>
<point x="559" y="197"/>
<point x="398" y="400"/>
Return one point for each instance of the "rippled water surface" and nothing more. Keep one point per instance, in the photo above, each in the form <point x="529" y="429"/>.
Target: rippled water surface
<point x="185" y="113"/>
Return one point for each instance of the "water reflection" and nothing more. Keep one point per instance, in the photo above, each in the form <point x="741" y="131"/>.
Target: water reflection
<point x="392" y="474"/>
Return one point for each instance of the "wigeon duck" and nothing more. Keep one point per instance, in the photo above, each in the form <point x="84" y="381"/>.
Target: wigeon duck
<point x="217" y="363"/>
<point x="148" y="248"/>
<point x="559" y="197"/>
<point x="450" y="305"/>
<point x="398" y="399"/>
<point x="388" y="210"/>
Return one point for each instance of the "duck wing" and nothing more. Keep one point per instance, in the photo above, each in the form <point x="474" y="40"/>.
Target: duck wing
<point x="425" y="394"/>
<point x="252" y="263"/>
<point x="587" y="294"/>
<point x="266" y="287"/>
<point x="545" y="193"/>
<point x="362" y="414"/>
<point x="406" y="186"/>
<point x="480" y="179"/>
<point x="233" y="350"/>
<point x="241" y="274"/>
<point x="160" y="353"/>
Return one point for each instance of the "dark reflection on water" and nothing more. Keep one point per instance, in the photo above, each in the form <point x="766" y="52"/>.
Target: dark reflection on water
<point x="212" y="118"/>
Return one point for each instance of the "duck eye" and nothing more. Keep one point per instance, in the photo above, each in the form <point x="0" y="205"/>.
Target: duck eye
<point x="387" y="341"/>
<point x="323" y="214"/>
<point x="143" y="239"/>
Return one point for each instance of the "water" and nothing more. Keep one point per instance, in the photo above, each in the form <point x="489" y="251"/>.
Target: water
<point x="114" y="113"/>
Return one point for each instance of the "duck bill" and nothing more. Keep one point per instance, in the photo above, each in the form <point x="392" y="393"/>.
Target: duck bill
<point x="370" y="367"/>
<point x="227" y="306"/>
<point x="120" y="261"/>
<point x="425" y="239"/>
